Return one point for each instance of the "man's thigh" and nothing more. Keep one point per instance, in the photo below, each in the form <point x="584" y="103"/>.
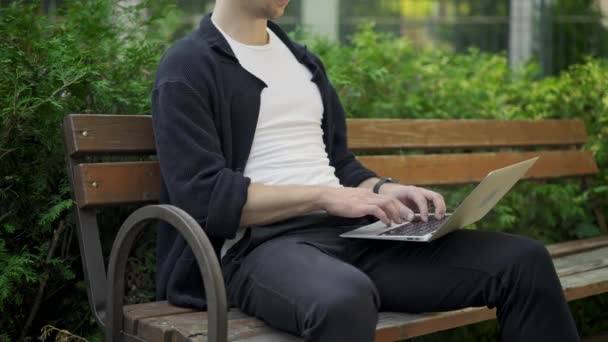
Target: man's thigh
<point x="283" y="281"/>
<point x="459" y="270"/>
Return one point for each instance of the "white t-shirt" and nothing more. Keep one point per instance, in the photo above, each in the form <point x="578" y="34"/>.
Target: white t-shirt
<point x="288" y="147"/>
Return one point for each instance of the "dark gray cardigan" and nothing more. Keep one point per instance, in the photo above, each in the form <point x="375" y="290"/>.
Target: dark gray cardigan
<point x="204" y="111"/>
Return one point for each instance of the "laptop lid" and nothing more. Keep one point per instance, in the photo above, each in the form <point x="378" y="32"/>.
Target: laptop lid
<point x="485" y="196"/>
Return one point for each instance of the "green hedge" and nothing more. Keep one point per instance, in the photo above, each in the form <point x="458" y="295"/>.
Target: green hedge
<point x="90" y="57"/>
<point x="382" y="76"/>
<point x="87" y="59"/>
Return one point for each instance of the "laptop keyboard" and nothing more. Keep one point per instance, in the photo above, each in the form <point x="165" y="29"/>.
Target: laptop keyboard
<point x="416" y="228"/>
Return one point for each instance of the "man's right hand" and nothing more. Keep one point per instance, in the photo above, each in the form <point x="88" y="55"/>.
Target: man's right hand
<point x="272" y="203"/>
<point x="359" y="202"/>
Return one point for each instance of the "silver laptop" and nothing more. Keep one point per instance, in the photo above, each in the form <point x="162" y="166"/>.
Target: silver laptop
<point x="474" y="207"/>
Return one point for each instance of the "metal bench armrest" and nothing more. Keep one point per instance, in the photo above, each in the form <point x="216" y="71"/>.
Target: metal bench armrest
<point x="203" y="251"/>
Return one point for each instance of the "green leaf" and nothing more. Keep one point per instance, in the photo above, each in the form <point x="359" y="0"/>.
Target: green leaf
<point x="586" y="230"/>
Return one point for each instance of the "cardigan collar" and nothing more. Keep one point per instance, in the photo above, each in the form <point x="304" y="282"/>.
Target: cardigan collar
<point x="216" y="40"/>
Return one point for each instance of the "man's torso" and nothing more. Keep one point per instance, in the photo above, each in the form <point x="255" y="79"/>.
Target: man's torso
<point x="288" y="147"/>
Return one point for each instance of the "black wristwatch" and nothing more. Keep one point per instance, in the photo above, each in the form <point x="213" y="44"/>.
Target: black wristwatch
<point x="377" y="186"/>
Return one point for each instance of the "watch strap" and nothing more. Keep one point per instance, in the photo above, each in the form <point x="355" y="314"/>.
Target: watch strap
<point x="378" y="184"/>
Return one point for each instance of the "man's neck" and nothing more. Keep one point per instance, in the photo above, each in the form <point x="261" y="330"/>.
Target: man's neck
<point x="241" y="26"/>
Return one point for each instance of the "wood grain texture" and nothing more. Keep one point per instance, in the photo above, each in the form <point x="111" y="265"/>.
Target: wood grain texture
<point x="95" y="134"/>
<point x="104" y="184"/>
<point x="136" y="312"/>
<point x="393" y="326"/>
<point x="386" y="134"/>
<point x="160" y="331"/>
<point x="193" y="327"/>
<point x="582" y="262"/>
<point x="583" y="285"/>
<point x="582" y="274"/>
<point x="574" y="246"/>
<point x="460" y="168"/>
<point x="123" y="134"/>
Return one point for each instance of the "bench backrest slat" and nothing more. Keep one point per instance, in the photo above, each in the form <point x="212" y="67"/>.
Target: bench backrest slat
<point x="438" y="169"/>
<point x="107" y="184"/>
<point x="102" y="184"/>
<point x="383" y="134"/>
<point x="96" y="134"/>
<point x="131" y="134"/>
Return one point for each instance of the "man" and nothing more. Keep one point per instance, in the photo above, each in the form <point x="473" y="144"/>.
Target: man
<point x="251" y="140"/>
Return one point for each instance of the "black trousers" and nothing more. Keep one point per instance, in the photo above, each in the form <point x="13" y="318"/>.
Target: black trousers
<point x="300" y="276"/>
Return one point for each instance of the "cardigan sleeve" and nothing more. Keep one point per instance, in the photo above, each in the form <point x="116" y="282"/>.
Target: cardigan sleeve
<point x="191" y="160"/>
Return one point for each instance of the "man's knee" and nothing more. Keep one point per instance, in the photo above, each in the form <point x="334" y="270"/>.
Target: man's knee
<point x="351" y="299"/>
<point x="529" y="254"/>
<point x="350" y="308"/>
<point x="531" y="267"/>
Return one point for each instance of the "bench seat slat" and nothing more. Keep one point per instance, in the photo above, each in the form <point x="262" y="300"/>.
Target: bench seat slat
<point x="587" y="260"/>
<point x="585" y="284"/>
<point x="136" y="312"/>
<point x="574" y="246"/>
<point x="404" y="325"/>
<point x="193" y="327"/>
<point x="387" y="134"/>
<point x="590" y="279"/>
<point x="461" y="168"/>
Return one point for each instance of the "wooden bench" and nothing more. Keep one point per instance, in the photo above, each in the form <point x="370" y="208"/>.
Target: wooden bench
<point x="582" y="264"/>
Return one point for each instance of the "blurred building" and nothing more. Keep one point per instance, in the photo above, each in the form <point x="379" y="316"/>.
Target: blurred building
<point x="555" y="33"/>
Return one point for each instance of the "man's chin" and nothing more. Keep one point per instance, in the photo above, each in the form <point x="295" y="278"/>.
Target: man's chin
<point x="277" y="13"/>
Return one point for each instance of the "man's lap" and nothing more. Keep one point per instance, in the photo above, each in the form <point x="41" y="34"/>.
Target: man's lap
<point x="453" y="272"/>
<point x="407" y="276"/>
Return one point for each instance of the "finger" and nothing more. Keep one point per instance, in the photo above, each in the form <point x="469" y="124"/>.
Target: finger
<point x="390" y="207"/>
<point x="376" y="211"/>
<point x="420" y="201"/>
<point x="438" y="203"/>
<point x="405" y="212"/>
<point x="395" y="213"/>
<point x="440" y="207"/>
